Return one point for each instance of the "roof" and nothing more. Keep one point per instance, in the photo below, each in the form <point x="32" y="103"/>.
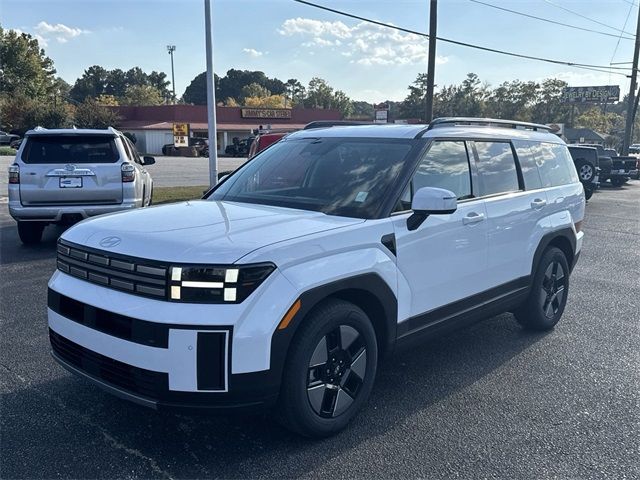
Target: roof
<point x="586" y="133"/>
<point x="72" y="131"/>
<point x="414" y="131"/>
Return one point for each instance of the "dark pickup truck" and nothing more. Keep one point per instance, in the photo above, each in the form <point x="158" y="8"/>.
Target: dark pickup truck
<point x="587" y="165"/>
<point x="614" y="167"/>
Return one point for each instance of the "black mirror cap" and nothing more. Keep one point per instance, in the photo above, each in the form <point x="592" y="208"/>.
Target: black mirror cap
<point x="147" y="160"/>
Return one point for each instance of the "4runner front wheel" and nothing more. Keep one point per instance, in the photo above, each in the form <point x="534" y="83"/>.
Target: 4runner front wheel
<point x="548" y="295"/>
<point x="30" y="232"/>
<point x="330" y="370"/>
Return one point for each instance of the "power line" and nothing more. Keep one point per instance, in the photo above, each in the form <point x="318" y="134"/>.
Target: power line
<point x="586" y="18"/>
<point x="630" y="3"/>
<point x="584" y="66"/>
<point x="615" y="50"/>
<point x="552" y="21"/>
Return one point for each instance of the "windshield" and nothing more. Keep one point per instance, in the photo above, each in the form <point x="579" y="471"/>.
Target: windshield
<point x="70" y="149"/>
<point x="338" y="176"/>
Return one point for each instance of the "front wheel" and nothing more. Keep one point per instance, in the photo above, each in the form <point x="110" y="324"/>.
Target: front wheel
<point x="330" y="370"/>
<point x="586" y="171"/>
<point x="548" y="296"/>
<point x="30" y="232"/>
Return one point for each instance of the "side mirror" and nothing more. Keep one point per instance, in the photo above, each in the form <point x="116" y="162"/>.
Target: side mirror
<point x="146" y="160"/>
<point x="431" y="201"/>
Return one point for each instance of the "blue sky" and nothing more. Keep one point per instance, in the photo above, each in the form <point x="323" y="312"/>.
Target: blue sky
<point x="289" y="40"/>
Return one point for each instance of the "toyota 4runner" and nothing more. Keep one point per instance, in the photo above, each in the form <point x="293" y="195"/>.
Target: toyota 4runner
<point x="65" y="175"/>
<point x="297" y="274"/>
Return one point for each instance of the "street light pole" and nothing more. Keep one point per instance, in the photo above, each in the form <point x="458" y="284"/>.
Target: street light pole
<point x="431" y="62"/>
<point x="211" y="97"/>
<point x="628" y="126"/>
<point x="171" y="49"/>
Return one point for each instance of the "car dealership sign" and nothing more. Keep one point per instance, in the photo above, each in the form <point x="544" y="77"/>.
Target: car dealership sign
<point x="601" y="94"/>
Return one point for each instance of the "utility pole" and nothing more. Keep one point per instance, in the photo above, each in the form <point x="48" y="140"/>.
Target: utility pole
<point x="171" y="49"/>
<point x="431" y="63"/>
<point x="211" y="97"/>
<point x="632" y="92"/>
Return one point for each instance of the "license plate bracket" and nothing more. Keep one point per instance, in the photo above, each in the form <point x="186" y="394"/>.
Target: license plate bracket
<point x="70" y="182"/>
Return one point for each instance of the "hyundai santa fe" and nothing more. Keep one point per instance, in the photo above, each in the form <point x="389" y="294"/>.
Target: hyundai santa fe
<point x="296" y="275"/>
<point x="65" y="175"/>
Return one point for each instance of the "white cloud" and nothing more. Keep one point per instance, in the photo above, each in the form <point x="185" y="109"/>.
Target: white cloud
<point x="252" y="52"/>
<point x="62" y="33"/>
<point x="364" y="44"/>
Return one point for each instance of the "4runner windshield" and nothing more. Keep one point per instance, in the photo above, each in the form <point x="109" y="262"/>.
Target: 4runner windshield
<point x="338" y="176"/>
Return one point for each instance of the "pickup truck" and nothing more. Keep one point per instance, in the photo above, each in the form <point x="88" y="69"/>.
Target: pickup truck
<point x="613" y="167"/>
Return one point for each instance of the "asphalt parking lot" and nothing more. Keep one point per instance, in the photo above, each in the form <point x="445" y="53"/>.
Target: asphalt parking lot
<point x="491" y="401"/>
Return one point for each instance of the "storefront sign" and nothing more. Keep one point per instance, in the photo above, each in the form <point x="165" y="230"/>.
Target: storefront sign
<point x="276" y="113"/>
<point x="601" y="94"/>
<point x="180" y="135"/>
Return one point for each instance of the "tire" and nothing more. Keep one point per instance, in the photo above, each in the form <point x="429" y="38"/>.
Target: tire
<point x="586" y="171"/>
<point x="618" y="181"/>
<point x="588" y="192"/>
<point x="549" y="290"/>
<point x="30" y="233"/>
<point x="330" y="370"/>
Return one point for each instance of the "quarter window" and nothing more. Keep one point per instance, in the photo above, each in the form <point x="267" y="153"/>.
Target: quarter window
<point x="496" y="168"/>
<point x="555" y="164"/>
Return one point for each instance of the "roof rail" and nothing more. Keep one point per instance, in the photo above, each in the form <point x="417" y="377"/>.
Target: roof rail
<point x="333" y="123"/>
<point x="488" y="122"/>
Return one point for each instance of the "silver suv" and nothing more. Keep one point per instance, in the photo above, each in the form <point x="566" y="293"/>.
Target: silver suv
<point x="65" y="175"/>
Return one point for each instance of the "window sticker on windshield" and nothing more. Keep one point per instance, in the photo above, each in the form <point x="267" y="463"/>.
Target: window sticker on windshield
<point x="361" y="196"/>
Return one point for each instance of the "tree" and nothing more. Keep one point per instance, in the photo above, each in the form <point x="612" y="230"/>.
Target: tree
<point x="25" y="67"/>
<point x="142" y="95"/>
<point x="294" y="91"/>
<point x="271" y="101"/>
<point x="196" y="92"/>
<point x="343" y="103"/>
<point x="90" y="114"/>
<point x="254" y="90"/>
<point x="414" y="105"/>
<point x="20" y="113"/>
<point x="319" y="94"/>
<point x="92" y="83"/>
<point x="107" y="100"/>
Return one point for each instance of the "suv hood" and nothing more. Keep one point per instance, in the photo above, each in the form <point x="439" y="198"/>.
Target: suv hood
<point x="200" y="231"/>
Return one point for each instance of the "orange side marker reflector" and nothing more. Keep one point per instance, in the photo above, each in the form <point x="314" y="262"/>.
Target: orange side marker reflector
<point x="286" y="320"/>
<point x="578" y="226"/>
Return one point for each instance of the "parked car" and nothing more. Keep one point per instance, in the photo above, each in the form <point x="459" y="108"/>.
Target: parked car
<point x="7" y="138"/>
<point x="586" y="163"/>
<point x="300" y="272"/>
<point x="65" y="175"/>
<point x="200" y="145"/>
<point x="239" y="147"/>
<point x="264" y="140"/>
<point x="618" y="170"/>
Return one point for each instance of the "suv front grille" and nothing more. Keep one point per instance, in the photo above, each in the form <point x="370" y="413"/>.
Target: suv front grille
<point x="138" y="276"/>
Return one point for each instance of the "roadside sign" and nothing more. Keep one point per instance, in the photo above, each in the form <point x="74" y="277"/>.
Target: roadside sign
<point x="382" y="116"/>
<point x="180" y="135"/>
<point x="600" y="94"/>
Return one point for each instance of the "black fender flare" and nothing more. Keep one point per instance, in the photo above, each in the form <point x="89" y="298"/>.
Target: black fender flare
<point x="547" y="239"/>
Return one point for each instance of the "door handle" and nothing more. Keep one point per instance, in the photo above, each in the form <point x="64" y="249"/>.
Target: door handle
<point x="538" y="203"/>
<point x="472" y="218"/>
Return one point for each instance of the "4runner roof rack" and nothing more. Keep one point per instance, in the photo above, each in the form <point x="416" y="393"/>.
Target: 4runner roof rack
<point x="489" y="122"/>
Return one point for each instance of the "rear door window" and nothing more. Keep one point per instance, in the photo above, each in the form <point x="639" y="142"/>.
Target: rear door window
<point x="78" y="149"/>
<point x="528" y="165"/>
<point x="496" y="168"/>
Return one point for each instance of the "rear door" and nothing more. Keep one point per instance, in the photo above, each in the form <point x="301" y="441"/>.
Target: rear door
<point x="70" y="169"/>
<point x="515" y="215"/>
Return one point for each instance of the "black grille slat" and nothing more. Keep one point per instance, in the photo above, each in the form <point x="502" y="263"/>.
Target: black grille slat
<point x="144" y="278"/>
<point x="134" y="379"/>
<point x="127" y="328"/>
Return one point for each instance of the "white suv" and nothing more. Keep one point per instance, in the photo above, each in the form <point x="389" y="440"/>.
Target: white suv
<point x="65" y="175"/>
<point x="298" y="273"/>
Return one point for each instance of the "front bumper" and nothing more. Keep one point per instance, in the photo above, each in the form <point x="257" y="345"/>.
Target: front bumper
<point x="162" y="354"/>
<point x="56" y="214"/>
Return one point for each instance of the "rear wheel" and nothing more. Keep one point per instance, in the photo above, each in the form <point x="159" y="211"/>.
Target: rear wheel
<point x="548" y="296"/>
<point x="618" y="181"/>
<point x="330" y="370"/>
<point x="30" y="232"/>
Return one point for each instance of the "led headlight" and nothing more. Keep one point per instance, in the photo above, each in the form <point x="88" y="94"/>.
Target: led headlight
<point x="216" y="284"/>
